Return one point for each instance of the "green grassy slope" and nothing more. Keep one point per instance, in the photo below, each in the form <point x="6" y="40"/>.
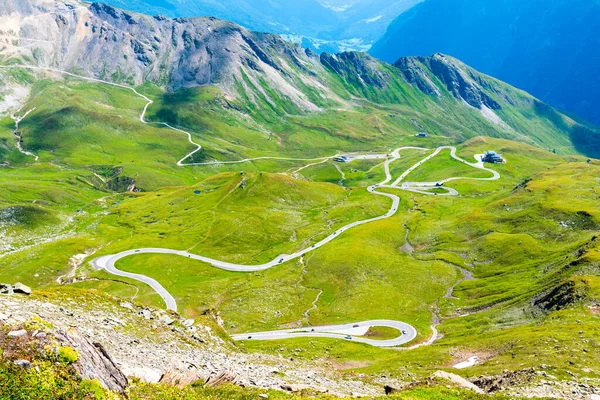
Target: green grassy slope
<point x="528" y="238"/>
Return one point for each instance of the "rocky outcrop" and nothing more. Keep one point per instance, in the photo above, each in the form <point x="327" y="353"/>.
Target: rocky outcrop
<point x="93" y="361"/>
<point x="414" y="73"/>
<point x="107" y="43"/>
<point x="144" y="344"/>
<point x="559" y="297"/>
<point x="459" y="83"/>
<point x="359" y="69"/>
<point x="456" y="78"/>
<point x="458" y="380"/>
<point x="496" y="383"/>
<point x="17" y="288"/>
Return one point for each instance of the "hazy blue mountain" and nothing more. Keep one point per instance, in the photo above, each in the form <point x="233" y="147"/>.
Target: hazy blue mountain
<point x="323" y="25"/>
<point x="548" y="48"/>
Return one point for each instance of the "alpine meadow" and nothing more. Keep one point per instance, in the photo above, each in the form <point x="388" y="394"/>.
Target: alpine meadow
<point x="190" y="209"/>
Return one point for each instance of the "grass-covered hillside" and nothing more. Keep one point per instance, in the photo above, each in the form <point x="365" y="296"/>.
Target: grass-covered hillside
<point x="240" y="168"/>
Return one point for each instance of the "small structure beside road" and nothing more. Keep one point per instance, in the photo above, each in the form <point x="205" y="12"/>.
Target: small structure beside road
<point x="342" y="159"/>
<point x="493" y="158"/>
<point x="422" y="135"/>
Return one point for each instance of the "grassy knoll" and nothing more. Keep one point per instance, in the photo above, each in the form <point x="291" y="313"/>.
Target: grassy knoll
<point x="97" y="126"/>
<point x="356" y="173"/>
<point x="365" y="267"/>
<point x="326" y="172"/>
<point x="273" y="214"/>
<point x="382" y="333"/>
<point x="444" y="166"/>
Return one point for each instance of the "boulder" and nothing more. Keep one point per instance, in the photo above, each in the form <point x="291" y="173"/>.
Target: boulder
<point x="6" y="288"/>
<point x="23" y="364"/>
<point x="220" y="379"/>
<point x="176" y="378"/>
<point x="21" y="289"/>
<point x="457" y="380"/>
<point x="93" y="362"/>
<point x="19" y="333"/>
<point x="390" y="390"/>
<point x="165" y="319"/>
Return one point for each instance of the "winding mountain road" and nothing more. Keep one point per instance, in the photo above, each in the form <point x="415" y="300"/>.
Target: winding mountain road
<point x="353" y="332"/>
<point x="108" y="262"/>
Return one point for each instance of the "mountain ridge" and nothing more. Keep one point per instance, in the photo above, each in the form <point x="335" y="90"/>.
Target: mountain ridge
<point x="103" y="42"/>
<point x="548" y="49"/>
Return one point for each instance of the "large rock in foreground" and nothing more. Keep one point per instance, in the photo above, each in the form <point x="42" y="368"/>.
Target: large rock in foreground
<point x="94" y="362"/>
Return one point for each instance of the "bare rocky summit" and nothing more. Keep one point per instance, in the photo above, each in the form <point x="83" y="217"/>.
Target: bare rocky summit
<point x="106" y="43"/>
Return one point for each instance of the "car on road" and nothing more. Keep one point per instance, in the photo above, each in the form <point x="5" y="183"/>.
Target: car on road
<point x="312" y="330"/>
<point x="355" y="326"/>
<point x="137" y="251"/>
<point x="404" y="332"/>
<point x="249" y="337"/>
<point x="280" y="261"/>
<point x="348" y="337"/>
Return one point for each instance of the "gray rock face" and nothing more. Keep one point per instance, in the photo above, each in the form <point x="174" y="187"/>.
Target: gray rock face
<point x="94" y="362"/>
<point x="415" y="75"/>
<point x="18" y="334"/>
<point x="22" y="289"/>
<point x="106" y="43"/>
<point x="357" y="68"/>
<point x="459" y="84"/>
<point x="114" y="45"/>
<point x="6" y="288"/>
<point x="23" y="364"/>
<point x="457" y="80"/>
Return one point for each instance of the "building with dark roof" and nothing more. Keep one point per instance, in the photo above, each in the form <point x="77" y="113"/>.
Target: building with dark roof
<point x="492" y="157"/>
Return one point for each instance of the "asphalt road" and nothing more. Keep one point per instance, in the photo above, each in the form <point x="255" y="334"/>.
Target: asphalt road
<point x="424" y="187"/>
<point x="107" y="263"/>
<point x="329" y="331"/>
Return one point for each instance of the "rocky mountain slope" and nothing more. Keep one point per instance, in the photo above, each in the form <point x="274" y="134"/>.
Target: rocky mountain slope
<point x="320" y="25"/>
<point x="106" y="43"/>
<point x="114" y="339"/>
<point x="548" y="48"/>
